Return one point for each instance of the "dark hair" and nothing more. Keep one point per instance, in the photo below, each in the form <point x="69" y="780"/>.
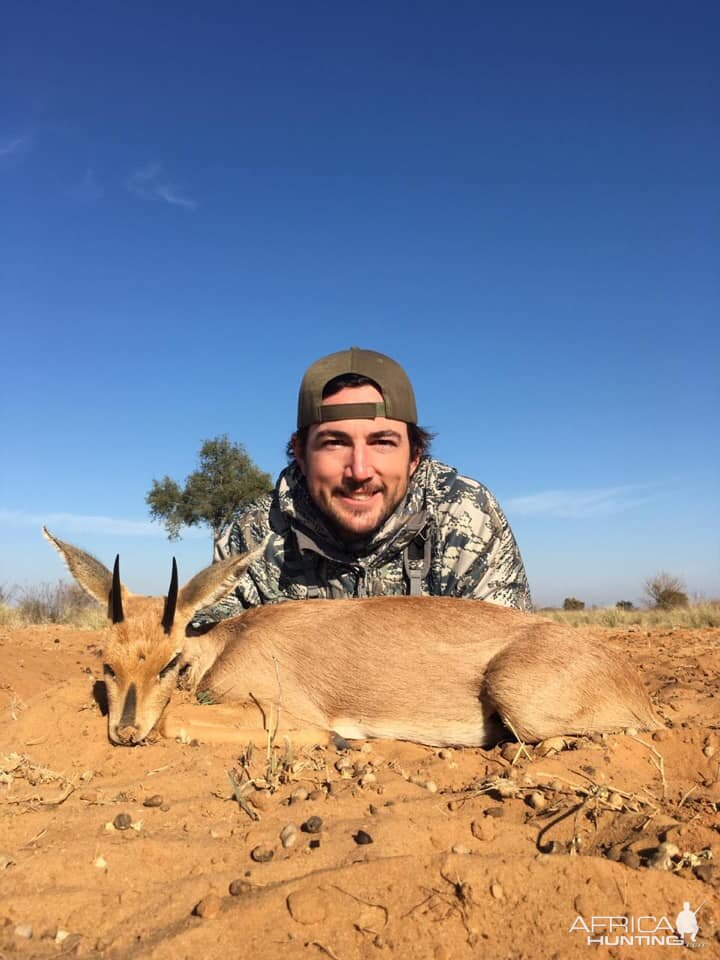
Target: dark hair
<point x="420" y="439"/>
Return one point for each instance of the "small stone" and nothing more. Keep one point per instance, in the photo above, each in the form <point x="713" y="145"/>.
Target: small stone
<point x="307" y="906"/>
<point x="123" y="821"/>
<point x="496" y="891"/>
<point x="362" y="837"/>
<point x="445" y="754"/>
<point x="208" y="907"/>
<point x="239" y="887"/>
<point x="24" y="931"/>
<point x="551" y="745"/>
<point x="262" y="854"/>
<point x="704" y="872"/>
<point x="661" y="859"/>
<point x="100" y="863"/>
<point x="340" y="743"/>
<point x="260" y="799"/>
<point x="495" y="812"/>
<point x="660" y="735"/>
<point x="288" y="835"/>
<point x="709" y="750"/>
<point x="316" y="795"/>
<point x="367" y="779"/>
<point x="154" y="801"/>
<point x="343" y="763"/>
<point x="312" y="825"/>
<point x="299" y="795"/>
<point x="430" y="786"/>
<point x="510" y="751"/>
<point x="460" y="849"/>
<point x="483" y="829"/>
<point x="537" y="800"/>
<point x="630" y="859"/>
<point x="631" y="731"/>
<point x="614" y="852"/>
<point x="90" y="796"/>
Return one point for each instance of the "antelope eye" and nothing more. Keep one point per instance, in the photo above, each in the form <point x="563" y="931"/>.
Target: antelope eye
<point x="169" y="666"/>
<point x="108" y="671"/>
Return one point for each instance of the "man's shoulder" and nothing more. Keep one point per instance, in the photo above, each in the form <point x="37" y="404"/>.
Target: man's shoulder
<point x="445" y="487"/>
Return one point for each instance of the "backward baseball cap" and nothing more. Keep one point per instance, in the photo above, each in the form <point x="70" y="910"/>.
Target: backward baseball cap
<point x="398" y="397"/>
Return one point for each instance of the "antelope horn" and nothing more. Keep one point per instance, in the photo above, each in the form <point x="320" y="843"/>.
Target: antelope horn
<point x="171" y="600"/>
<point x="116" y="610"/>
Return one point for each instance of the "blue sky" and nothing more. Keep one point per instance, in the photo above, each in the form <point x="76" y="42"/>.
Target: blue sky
<point x="518" y="204"/>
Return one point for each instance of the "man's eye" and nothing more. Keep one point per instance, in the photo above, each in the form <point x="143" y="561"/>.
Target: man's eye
<point x="108" y="671"/>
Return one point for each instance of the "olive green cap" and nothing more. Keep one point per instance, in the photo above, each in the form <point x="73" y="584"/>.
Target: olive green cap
<point x="398" y="397"/>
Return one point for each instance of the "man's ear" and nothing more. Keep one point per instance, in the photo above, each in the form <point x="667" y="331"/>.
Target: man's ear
<point x="299" y="452"/>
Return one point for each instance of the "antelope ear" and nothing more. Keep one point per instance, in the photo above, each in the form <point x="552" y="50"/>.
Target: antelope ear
<point x="95" y="579"/>
<point x="213" y="583"/>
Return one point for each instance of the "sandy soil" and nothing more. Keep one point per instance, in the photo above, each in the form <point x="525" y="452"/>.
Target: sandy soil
<point x="472" y="855"/>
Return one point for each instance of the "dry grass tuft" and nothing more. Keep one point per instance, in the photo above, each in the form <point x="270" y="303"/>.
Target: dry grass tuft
<point x="697" y="615"/>
<point x="62" y="603"/>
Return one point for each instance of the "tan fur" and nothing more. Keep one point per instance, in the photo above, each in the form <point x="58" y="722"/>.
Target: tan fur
<point x="433" y="670"/>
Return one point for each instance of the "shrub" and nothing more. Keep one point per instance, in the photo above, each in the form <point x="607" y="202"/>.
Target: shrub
<point x="625" y="605"/>
<point x="58" y="603"/>
<point x="666" y="591"/>
<point x="570" y="603"/>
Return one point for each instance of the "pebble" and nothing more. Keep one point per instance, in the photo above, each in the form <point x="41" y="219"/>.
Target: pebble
<point x="238" y="887"/>
<point x="362" y="838"/>
<point x="340" y="743"/>
<point x="445" y="754"/>
<point x="496" y="891"/>
<point x="660" y="735"/>
<point x="510" y="751"/>
<point x="208" y="907"/>
<point x="343" y="763"/>
<point x="307" y="906"/>
<point x="155" y="801"/>
<point x="298" y="795"/>
<point x="262" y="853"/>
<point x="537" y="800"/>
<point x="367" y="779"/>
<point x="630" y="859"/>
<point x="704" y="872"/>
<point x="288" y="835"/>
<point x="709" y="750"/>
<point x="495" y="812"/>
<point x="551" y="745"/>
<point x="483" y="829"/>
<point x="317" y="795"/>
<point x="461" y="849"/>
<point x="24" y="931"/>
<point x="123" y="821"/>
<point x="312" y="825"/>
<point x="430" y="786"/>
<point x="260" y="799"/>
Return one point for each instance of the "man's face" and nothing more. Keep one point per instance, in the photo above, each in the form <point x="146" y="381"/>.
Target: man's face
<point x="357" y="471"/>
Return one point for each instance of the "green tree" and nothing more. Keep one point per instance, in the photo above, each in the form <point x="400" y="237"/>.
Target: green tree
<point x="225" y="480"/>
<point x="570" y="603"/>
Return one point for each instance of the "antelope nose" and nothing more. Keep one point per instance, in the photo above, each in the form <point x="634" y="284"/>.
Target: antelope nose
<point x="128" y="733"/>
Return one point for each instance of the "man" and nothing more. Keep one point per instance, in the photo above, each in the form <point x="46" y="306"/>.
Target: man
<point x="363" y="510"/>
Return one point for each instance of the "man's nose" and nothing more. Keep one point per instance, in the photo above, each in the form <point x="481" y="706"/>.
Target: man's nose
<point x="358" y="467"/>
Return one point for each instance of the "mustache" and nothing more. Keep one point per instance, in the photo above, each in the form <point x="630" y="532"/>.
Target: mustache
<point x="359" y="488"/>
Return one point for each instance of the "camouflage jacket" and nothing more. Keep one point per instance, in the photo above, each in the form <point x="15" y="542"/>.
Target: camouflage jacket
<point x="448" y="537"/>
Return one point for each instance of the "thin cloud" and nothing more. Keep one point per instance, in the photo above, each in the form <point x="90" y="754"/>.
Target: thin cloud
<point x="88" y="189"/>
<point x="578" y="504"/>
<point x="10" y="147"/>
<point x="73" y="523"/>
<point x="149" y="181"/>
